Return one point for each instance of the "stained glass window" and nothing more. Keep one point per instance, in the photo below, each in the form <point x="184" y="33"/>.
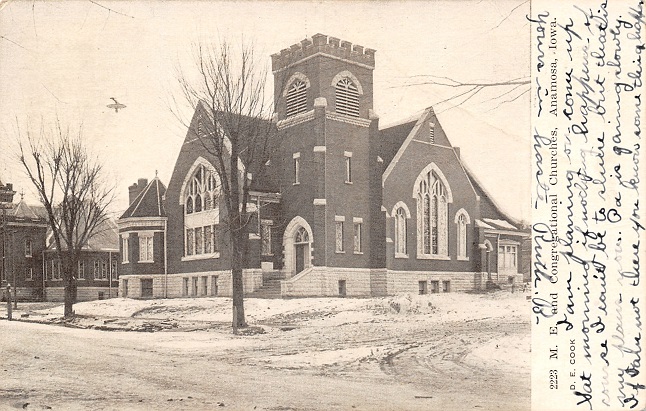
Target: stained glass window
<point x="400" y="231"/>
<point x="339" y="236"/>
<point x="432" y="209"/>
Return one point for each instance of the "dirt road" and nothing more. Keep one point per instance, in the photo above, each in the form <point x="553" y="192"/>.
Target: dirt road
<point x="378" y="362"/>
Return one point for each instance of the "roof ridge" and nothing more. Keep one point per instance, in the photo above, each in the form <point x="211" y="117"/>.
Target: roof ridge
<point x="475" y="180"/>
<point x="141" y="196"/>
<point x="157" y="196"/>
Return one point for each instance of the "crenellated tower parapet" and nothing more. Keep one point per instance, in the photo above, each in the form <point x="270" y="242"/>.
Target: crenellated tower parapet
<point x="323" y="44"/>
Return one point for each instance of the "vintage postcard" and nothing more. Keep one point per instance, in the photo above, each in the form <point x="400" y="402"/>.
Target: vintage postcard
<point x="332" y="205"/>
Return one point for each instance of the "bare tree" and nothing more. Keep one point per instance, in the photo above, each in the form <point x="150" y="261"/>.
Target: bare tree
<point x="511" y="89"/>
<point x="228" y="90"/>
<point x="73" y="189"/>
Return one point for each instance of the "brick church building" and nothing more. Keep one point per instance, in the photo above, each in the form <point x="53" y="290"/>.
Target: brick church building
<point x="343" y="207"/>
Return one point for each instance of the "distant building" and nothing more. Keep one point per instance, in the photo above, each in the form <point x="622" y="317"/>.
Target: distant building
<point x="97" y="271"/>
<point x="343" y="207"/>
<point x="26" y="231"/>
<point x="32" y="265"/>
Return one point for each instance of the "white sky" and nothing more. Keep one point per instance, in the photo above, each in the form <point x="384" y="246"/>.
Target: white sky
<point x="69" y="58"/>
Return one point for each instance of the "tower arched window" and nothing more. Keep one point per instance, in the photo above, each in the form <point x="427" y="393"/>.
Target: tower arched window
<point x="296" y="98"/>
<point x="347" y="97"/>
<point x="432" y="210"/>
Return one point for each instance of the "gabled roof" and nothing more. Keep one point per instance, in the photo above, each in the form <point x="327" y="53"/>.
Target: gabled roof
<point x="105" y="238"/>
<point x="404" y="134"/>
<point x="392" y="139"/>
<point x="396" y="138"/>
<point x="149" y="202"/>
<point x="266" y="153"/>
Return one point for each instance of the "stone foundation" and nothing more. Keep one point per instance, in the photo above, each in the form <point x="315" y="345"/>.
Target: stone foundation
<point x="198" y="284"/>
<point x="363" y="282"/>
<point x="82" y="293"/>
<point x="326" y="282"/>
<point x="436" y="281"/>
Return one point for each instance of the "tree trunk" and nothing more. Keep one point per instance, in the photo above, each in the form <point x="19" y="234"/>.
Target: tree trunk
<point x="238" y="231"/>
<point x="238" y="288"/>
<point x="69" y="282"/>
<point x="69" y="290"/>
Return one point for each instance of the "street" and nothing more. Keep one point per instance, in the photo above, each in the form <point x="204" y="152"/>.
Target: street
<point x="357" y="360"/>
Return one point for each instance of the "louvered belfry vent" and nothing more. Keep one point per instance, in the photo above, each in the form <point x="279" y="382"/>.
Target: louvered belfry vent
<point x="296" y="98"/>
<point x="347" y="98"/>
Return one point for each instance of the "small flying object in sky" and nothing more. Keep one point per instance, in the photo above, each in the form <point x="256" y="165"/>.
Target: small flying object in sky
<point x="116" y="106"/>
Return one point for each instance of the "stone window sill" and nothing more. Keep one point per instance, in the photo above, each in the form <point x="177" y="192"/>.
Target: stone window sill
<point x="433" y="257"/>
<point x="200" y="257"/>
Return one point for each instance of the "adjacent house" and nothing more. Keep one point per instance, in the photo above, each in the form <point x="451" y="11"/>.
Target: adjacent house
<point x="31" y="265"/>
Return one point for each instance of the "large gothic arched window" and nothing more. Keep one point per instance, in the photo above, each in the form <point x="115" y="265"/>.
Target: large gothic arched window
<point x="432" y="210"/>
<point x="199" y="195"/>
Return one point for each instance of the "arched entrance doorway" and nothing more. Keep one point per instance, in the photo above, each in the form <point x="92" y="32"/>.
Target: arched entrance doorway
<point x="297" y="245"/>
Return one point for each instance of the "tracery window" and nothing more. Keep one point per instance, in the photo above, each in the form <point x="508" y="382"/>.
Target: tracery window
<point x="301" y="236"/>
<point x="201" y="193"/>
<point x="347" y="97"/>
<point x="432" y="210"/>
<point x="296" y="99"/>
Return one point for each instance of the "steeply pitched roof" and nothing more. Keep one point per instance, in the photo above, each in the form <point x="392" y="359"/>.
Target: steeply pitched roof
<point x="24" y="211"/>
<point x="266" y="151"/>
<point x="149" y="202"/>
<point x="392" y="139"/>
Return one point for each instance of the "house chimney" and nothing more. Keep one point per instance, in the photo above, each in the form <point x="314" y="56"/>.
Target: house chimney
<point x="136" y="188"/>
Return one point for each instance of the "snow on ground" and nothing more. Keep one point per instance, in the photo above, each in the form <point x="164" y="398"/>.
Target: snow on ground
<point x="412" y="342"/>
<point x="511" y="352"/>
<point x="317" y="311"/>
<point x="396" y="314"/>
